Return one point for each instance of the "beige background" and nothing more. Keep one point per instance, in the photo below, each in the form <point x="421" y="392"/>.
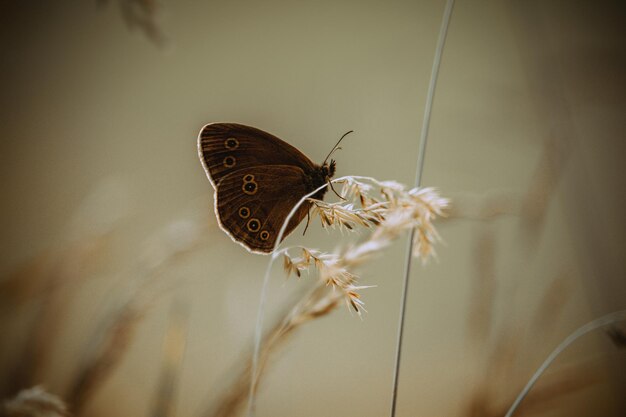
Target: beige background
<point x="99" y="131"/>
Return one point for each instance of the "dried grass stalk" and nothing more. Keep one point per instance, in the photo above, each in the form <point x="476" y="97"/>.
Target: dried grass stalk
<point x="112" y="337"/>
<point x="46" y="285"/>
<point x="173" y="350"/>
<point x="392" y="212"/>
<point x="113" y="341"/>
<point x="556" y="386"/>
<point x="319" y="302"/>
<point x="34" y="402"/>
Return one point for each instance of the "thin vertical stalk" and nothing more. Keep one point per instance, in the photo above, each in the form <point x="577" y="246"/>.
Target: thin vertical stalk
<point x="258" y="332"/>
<point x="443" y="31"/>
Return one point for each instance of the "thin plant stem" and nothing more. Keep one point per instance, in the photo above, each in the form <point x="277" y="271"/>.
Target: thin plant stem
<point x="258" y="332"/>
<point x="611" y="318"/>
<point x="418" y="179"/>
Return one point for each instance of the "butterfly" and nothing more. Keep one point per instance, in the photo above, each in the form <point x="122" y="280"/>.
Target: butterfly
<point x="258" y="179"/>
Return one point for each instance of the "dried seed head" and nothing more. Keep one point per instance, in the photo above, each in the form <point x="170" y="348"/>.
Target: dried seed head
<point x="394" y="212"/>
<point x="35" y="402"/>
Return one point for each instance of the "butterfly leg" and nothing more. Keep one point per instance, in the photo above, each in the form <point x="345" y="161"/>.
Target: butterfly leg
<point x="336" y="193"/>
<point x="308" y="219"/>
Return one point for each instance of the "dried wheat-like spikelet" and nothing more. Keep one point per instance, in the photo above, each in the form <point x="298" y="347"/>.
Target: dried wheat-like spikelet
<point x="112" y="336"/>
<point x="344" y="216"/>
<point x="34" y="402"/>
<point x="389" y="214"/>
<point x="319" y="302"/>
<point x="332" y="271"/>
<point x="46" y="282"/>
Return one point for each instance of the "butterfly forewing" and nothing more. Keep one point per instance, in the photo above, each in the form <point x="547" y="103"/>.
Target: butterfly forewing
<point x="228" y="147"/>
<point x="252" y="203"/>
<point x="258" y="179"/>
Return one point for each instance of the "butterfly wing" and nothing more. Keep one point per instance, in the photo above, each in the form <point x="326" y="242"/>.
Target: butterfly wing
<point x="227" y="147"/>
<point x="252" y="203"/>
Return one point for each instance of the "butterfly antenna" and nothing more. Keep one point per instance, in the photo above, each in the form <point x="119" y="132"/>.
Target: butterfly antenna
<point x="337" y="145"/>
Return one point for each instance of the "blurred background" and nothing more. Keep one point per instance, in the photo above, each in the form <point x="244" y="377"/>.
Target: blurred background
<point x="121" y="296"/>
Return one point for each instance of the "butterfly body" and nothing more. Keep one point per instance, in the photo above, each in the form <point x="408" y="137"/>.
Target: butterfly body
<point x="258" y="179"/>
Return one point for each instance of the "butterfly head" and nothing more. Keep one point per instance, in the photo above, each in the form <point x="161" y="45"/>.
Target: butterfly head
<point x="328" y="170"/>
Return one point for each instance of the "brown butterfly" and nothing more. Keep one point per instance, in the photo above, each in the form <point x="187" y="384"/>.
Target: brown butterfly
<point x="258" y="179"/>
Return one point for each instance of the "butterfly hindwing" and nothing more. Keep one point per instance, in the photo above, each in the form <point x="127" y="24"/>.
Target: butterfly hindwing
<point x="228" y="147"/>
<point x="252" y="203"/>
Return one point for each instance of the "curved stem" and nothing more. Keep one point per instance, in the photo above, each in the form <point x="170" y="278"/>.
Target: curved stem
<point x="258" y="332"/>
<point x="581" y="331"/>
<point x="418" y="179"/>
